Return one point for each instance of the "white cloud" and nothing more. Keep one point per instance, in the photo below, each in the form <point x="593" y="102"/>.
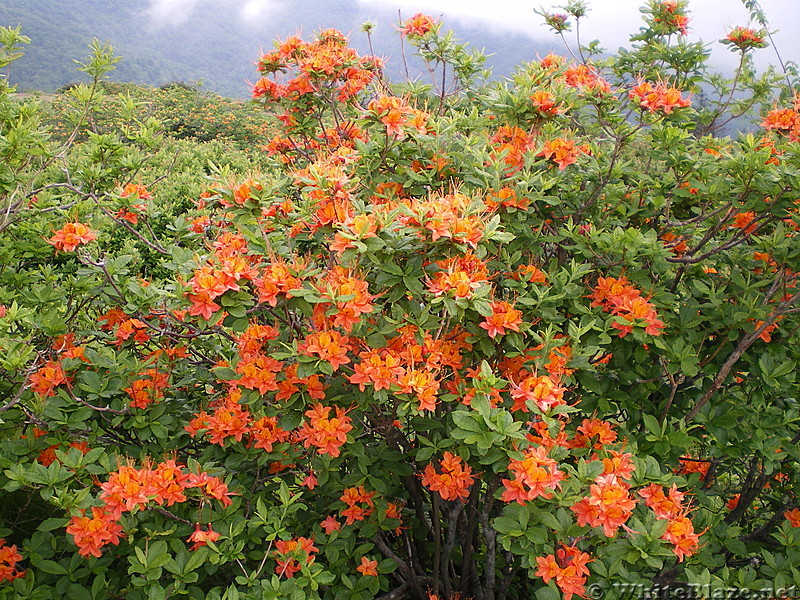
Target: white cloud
<point x="175" y="12"/>
<point x="613" y="21"/>
<point x="252" y="11"/>
<point x="170" y="12"/>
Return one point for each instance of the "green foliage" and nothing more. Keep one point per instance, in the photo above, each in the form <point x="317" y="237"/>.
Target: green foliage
<point x="494" y="340"/>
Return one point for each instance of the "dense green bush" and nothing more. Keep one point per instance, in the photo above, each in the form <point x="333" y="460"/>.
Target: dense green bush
<point x="480" y="340"/>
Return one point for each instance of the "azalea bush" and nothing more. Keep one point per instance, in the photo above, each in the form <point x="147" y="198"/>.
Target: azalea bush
<point x="482" y="340"/>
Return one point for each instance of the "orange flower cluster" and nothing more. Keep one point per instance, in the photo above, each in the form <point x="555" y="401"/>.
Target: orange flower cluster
<point x="131" y="329"/>
<point x="129" y="489"/>
<point x="228" y="419"/>
<point x="562" y="152"/>
<point x="505" y="197"/>
<point x="354" y="229"/>
<point x="665" y="506"/>
<point x="48" y="456"/>
<point x="258" y="371"/>
<point x="289" y="553"/>
<point x="418" y="26"/>
<point x="545" y="391"/>
<point x="784" y="120"/>
<point x="397" y="116"/>
<point x="511" y="145"/>
<point x="693" y="465"/>
<point x="394" y="366"/>
<point x="535" y="475"/>
<point x="326" y="434"/>
<point x="93" y="532"/>
<point x="453" y="481"/>
<point x="266" y="432"/>
<point x="449" y="216"/>
<point x="680" y="533"/>
<point x="586" y="79"/>
<point x="423" y="384"/>
<point x="148" y="389"/>
<point x="200" y="537"/>
<point x="680" y="530"/>
<point x="327" y="62"/>
<point x="459" y="276"/>
<point x="621" y="299"/>
<point x="277" y="278"/>
<point x="746" y="221"/>
<point x="48" y="377"/>
<point x="671" y="17"/>
<point x="568" y="568"/>
<point x="380" y="368"/>
<point x="228" y="267"/>
<point x="133" y="189"/>
<point x="593" y="429"/>
<point x="330" y="346"/>
<point x="359" y="504"/>
<point x="504" y="318"/>
<point x="139" y="192"/>
<point x="348" y="293"/>
<point x="608" y="504"/>
<point x="70" y="236"/>
<point x="545" y="103"/>
<point x="9" y="557"/>
<point x="744" y="39"/>
<point x="658" y="97"/>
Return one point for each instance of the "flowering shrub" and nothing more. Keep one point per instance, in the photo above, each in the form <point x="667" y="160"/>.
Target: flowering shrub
<point x="483" y="342"/>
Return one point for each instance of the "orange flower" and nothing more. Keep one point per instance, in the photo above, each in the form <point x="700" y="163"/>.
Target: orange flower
<point x="9" y="557"/>
<point x="92" y="533"/>
<point x="504" y="317"/>
<point x="608" y="505"/>
<point x="134" y="189"/>
<point x="680" y="533"/>
<point x="562" y="152"/>
<point x="72" y="235"/>
<point x="545" y="103"/>
<point x="330" y="524"/>
<point x="568" y="568"/>
<point x="265" y="432"/>
<point x="782" y="119"/>
<point x="201" y="537"/>
<point x="693" y="465"/>
<point x="586" y="78"/>
<point x="511" y="144"/>
<point x="664" y="506"/>
<point x="623" y="300"/>
<point x="368" y="567"/>
<point x="49" y="376"/>
<point x="328" y="435"/>
<point x="418" y="25"/>
<point x="535" y="475"/>
<point x="454" y="480"/>
<point x="793" y="516"/>
<point x="423" y="383"/>
<point x="330" y="346"/>
<point x="290" y="552"/>
<point x="359" y="504"/>
<point x="658" y="97"/>
<point x="544" y="390"/>
<point x="211" y="486"/>
<point x="147" y="389"/>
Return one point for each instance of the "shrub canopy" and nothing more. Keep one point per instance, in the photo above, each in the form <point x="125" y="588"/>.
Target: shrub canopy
<point x="461" y="339"/>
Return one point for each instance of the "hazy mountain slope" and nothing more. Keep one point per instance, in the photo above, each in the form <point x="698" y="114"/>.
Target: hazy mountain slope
<point x="214" y="44"/>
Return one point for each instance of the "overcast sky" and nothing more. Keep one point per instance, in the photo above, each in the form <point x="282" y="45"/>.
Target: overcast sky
<point x="609" y="21"/>
<point x="612" y="21"/>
